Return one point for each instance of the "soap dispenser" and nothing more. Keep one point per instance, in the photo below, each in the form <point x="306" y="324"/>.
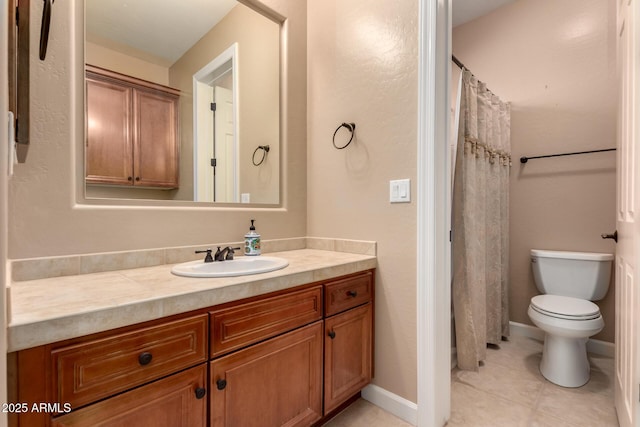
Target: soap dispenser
<point x="252" y="241"/>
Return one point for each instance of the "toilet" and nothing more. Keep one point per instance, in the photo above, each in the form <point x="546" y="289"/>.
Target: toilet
<point x="568" y="281"/>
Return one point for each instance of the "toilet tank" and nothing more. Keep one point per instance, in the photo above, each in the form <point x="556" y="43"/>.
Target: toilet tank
<point x="584" y="275"/>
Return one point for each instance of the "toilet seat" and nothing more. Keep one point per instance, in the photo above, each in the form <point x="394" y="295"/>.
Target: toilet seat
<point x="562" y="307"/>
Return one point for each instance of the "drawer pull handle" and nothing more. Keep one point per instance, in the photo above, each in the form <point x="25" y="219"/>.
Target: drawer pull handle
<point x="200" y="392"/>
<point x="332" y="334"/>
<point x="352" y="293"/>
<point x="221" y="384"/>
<point x="145" y="358"/>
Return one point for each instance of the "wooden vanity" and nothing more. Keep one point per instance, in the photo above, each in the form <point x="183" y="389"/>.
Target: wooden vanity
<point x="289" y="357"/>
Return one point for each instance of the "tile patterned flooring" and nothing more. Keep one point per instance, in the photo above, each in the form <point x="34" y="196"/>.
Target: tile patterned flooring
<point x="510" y="391"/>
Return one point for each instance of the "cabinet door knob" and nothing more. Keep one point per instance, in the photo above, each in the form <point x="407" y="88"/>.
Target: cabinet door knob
<point x="200" y="392"/>
<point x="221" y="384"/>
<point x="129" y="178"/>
<point x="137" y="178"/>
<point x="352" y="294"/>
<point x="332" y="334"/>
<point x="145" y="358"/>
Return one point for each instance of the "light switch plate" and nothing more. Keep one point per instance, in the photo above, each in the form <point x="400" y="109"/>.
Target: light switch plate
<point x="400" y="191"/>
<point x="245" y="198"/>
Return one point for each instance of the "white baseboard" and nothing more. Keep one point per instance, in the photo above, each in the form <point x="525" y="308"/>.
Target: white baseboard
<point x="599" y="347"/>
<point x="392" y="403"/>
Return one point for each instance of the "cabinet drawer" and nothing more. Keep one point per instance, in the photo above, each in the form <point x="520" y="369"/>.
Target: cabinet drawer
<point x="238" y="326"/>
<point x="346" y="293"/>
<point x="89" y="371"/>
<point x="176" y="401"/>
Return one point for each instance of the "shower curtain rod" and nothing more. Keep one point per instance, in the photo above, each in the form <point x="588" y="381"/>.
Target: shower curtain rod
<point x="457" y="62"/>
<point x="525" y="159"/>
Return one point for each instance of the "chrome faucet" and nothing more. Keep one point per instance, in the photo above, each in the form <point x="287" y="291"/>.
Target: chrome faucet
<point x="225" y="254"/>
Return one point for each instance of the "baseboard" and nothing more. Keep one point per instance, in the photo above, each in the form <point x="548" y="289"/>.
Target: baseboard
<point x="602" y="348"/>
<point x="392" y="403"/>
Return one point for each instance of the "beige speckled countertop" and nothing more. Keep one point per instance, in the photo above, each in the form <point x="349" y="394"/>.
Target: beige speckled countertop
<point x="47" y="310"/>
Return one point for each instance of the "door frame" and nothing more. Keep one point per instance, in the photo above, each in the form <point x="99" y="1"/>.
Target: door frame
<point x="207" y="75"/>
<point x="433" y="269"/>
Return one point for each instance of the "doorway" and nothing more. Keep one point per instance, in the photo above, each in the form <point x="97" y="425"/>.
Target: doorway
<point x="216" y="130"/>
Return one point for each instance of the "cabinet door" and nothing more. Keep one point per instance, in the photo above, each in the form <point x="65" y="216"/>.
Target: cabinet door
<point x="156" y="139"/>
<point x="277" y="382"/>
<point x="175" y="401"/>
<point x="347" y="355"/>
<point x="109" y="149"/>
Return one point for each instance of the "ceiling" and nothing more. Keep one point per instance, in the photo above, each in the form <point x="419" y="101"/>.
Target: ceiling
<point x="163" y="28"/>
<point x="468" y="10"/>
<point x="167" y="29"/>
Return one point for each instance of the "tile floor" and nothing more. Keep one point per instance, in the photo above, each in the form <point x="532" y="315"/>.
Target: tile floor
<point x="510" y="391"/>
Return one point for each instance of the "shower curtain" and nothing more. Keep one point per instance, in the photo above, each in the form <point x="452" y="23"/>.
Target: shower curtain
<point x="480" y="222"/>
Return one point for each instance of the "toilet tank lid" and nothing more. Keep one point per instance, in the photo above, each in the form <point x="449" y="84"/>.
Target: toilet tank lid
<point x="587" y="256"/>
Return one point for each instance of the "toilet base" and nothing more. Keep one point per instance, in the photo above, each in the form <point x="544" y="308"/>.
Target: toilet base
<point x="564" y="361"/>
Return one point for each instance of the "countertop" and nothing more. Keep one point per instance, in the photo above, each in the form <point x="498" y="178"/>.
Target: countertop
<point x="48" y="310"/>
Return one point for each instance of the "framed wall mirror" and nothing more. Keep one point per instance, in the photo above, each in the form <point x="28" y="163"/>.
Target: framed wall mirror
<point x="182" y="97"/>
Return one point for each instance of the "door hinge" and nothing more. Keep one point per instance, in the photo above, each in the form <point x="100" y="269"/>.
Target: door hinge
<point x="450" y="235"/>
<point x="213" y="163"/>
<point x="213" y="106"/>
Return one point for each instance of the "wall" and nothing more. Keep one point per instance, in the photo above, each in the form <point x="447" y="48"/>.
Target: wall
<point x="4" y="107"/>
<point x="47" y="214"/>
<point x="258" y="67"/>
<point x="555" y="62"/>
<point x="104" y="57"/>
<point x="362" y="68"/>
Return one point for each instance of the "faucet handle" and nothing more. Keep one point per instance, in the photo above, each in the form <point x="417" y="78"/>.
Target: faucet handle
<point x="207" y="258"/>
<point x="231" y="252"/>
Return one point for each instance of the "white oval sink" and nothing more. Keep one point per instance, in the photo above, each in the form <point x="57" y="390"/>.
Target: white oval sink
<point x="241" y="266"/>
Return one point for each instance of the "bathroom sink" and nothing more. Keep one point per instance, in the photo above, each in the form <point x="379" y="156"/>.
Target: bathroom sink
<point x="241" y="266"/>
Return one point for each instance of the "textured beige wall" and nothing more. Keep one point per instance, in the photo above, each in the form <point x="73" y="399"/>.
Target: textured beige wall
<point x="258" y="66"/>
<point x="555" y="62"/>
<point x="104" y="57"/>
<point x="363" y="69"/>
<point x="4" y="106"/>
<point x="44" y="216"/>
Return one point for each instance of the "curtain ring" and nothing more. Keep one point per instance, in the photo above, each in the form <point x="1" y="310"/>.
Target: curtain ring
<point x="265" y="150"/>
<point x="351" y="127"/>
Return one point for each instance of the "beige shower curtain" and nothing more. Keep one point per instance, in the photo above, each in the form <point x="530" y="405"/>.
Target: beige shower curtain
<point x="480" y="222"/>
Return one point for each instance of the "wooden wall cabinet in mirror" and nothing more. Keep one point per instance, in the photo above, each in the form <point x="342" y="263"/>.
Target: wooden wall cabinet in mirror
<point x="132" y="131"/>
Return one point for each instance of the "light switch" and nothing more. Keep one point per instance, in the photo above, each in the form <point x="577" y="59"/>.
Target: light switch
<point x="245" y="198"/>
<point x="400" y="191"/>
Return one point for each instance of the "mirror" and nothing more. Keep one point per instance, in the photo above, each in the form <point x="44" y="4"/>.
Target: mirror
<point x="219" y="141"/>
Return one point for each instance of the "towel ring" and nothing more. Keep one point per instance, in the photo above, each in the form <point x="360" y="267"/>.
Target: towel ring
<point x="351" y="127"/>
<point x="265" y="150"/>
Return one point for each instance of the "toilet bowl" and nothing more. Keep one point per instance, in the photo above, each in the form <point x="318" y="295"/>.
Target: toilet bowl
<point x="564" y="357"/>
<point x="569" y="281"/>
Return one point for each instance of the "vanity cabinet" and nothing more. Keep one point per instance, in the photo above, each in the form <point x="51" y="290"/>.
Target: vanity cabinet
<point x="289" y="357"/>
<point x="132" y="131"/>
<point x="348" y="342"/>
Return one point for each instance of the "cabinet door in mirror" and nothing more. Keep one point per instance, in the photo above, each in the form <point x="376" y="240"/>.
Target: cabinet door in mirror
<point x="225" y="63"/>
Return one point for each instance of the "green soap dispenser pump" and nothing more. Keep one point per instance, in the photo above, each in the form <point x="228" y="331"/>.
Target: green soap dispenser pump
<point x="252" y="241"/>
